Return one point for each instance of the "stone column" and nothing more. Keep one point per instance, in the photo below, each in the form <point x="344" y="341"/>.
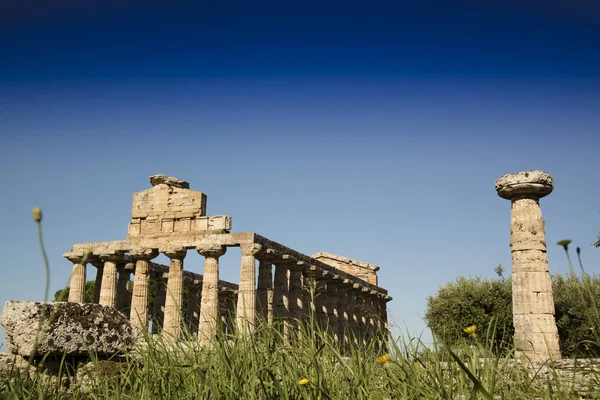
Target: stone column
<point x="321" y="301"/>
<point x="280" y="295"/>
<point x="309" y="283"/>
<point x="141" y="284"/>
<point x="343" y="316"/>
<point x="383" y="321"/>
<point x="123" y="293"/>
<point x="536" y="335"/>
<point x="108" y="290"/>
<point x="246" y="303"/>
<point x="355" y="306"/>
<point x="159" y="304"/>
<point x="192" y="311"/>
<point x="264" y="290"/>
<point x="295" y="297"/>
<point x="77" y="289"/>
<point x="99" y="264"/>
<point x="173" y="301"/>
<point x="209" y="306"/>
<point x="332" y="306"/>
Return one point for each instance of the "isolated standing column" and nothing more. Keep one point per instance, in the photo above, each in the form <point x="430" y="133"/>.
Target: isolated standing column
<point x="536" y="335"/>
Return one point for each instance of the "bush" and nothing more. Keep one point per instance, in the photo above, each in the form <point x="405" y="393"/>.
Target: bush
<point x="488" y="304"/>
<point x="472" y="301"/>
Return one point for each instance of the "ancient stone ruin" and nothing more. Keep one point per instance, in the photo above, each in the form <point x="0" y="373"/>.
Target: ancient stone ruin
<point x="286" y="288"/>
<point x="536" y="335"/>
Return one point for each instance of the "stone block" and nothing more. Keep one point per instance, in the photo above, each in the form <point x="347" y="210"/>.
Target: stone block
<point x="531" y="282"/>
<point x="219" y="222"/>
<point x="536" y="323"/>
<point x="182" y="225"/>
<point x="530" y="261"/>
<point x="164" y="200"/>
<point x="533" y="303"/>
<point x="73" y="329"/>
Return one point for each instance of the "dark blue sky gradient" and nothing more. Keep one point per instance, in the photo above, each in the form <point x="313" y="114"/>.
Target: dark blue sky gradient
<point x="434" y="39"/>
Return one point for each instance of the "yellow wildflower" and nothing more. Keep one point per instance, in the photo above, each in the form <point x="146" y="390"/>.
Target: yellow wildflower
<point x="384" y="359"/>
<point x="303" y="381"/>
<point x="470" y="330"/>
<point x="564" y="243"/>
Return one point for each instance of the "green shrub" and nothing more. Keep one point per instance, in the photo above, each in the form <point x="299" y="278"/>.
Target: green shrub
<point x="472" y="301"/>
<point x="488" y="304"/>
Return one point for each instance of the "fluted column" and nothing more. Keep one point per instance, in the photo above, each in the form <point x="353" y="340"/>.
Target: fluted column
<point x="343" y="316"/>
<point x="209" y="306"/>
<point x="123" y="291"/>
<point x="354" y="310"/>
<point x="77" y="289"/>
<point x="108" y="290"/>
<point x="332" y="307"/>
<point x="141" y="285"/>
<point x="159" y="304"/>
<point x="174" y="299"/>
<point x="309" y="284"/>
<point x="264" y="290"/>
<point x="192" y="311"/>
<point x="99" y="264"/>
<point x="536" y="335"/>
<point x="280" y="294"/>
<point x="295" y="296"/>
<point x="321" y="301"/>
<point x="383" y="322"/>
<point x="246" y="303"/>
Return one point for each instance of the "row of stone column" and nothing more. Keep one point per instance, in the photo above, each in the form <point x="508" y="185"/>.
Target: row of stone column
<point x="297" y="292"/>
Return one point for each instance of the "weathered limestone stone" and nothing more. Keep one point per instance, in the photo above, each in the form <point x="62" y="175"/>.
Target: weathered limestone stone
<point x="360" y="269"/>
<point x="108" y="291"/>
<point x="246" y="304"/>
<point x="141" y="286"/>
<point x="332" y="307"/>
<point x="264" y="290"/>
<point x="67" y="328"/>
<point x="168" y="180"/>
<point x="174" y="299"/>
<point x="77" y="289"/>
<point x="123" y="289"/>
<point x="536" y="335"/>
<point x="159" y="305"/>
<point x="192" y="310"/>
<point x="209" y="305"/>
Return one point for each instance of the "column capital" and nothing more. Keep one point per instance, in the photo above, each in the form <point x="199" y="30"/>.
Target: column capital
<point x="113" y="256"/>
<point x="76" y="259"/>
<point x="143" y="254"/>
<point x="526" y="184"/>
<point x="287" y="260"/>
<point x="211" y="250"/>
<point x="175" y="252"/>
<point x="269" y="255"/>
<point x="250" y="249"/>
<point x="127" y="266"/>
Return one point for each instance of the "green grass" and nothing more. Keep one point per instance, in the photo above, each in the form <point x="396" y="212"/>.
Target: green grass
<point x="265" y="368"/>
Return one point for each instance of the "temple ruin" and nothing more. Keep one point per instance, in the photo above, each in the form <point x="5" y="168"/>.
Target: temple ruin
<point x="288" y="287"/>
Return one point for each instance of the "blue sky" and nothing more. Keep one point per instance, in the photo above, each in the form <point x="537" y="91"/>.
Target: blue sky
<point x="370" y="130"/>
